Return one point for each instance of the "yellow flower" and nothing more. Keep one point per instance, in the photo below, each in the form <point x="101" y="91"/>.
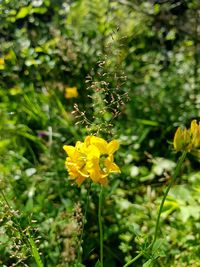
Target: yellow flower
<point x="195" y="134"/>
<point x="76" y="163"/>
<point x="71" y="92"/>
<point x="187" y="139"/>
<point x="93" y="158"/>
<point x="2" y="63"/>
<point x="181" y="139"/>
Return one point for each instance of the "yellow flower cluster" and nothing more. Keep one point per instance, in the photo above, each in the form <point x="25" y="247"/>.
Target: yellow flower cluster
<point x="92" y="158"/>
<point x="71" y="92"/>
<point x="187" y="139"/>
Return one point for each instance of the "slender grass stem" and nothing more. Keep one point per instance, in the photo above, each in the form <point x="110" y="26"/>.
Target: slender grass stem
<point x="100" y="225"/>
<point x="176" y="172"/>
<point x="84" y="220"/>
<point x="133" y="260"/>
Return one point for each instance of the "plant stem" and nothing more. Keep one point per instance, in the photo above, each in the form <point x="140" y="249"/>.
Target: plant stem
<point x="84" y="221"/>
<point x="133" y="260"/>
<point x="100" y="225"/>
<point x="176" y="172"/>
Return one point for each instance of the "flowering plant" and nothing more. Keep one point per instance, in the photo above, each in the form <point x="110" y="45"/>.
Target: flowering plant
<point x="187" y="139"/>
<point x="92" y="158"/>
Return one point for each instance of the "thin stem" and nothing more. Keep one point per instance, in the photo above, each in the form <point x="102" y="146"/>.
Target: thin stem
<point x="176" y="172"/>
<point x="133" y="260"/>
<point x="100" y="226"/>
<point x="83" y="221"/>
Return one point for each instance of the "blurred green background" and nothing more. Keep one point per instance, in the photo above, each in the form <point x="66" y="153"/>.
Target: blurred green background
<point x="136" y="67"/>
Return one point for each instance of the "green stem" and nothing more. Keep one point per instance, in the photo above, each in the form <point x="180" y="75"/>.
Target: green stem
<point x="84" y="221"/>
<point x="133" y="260"/>
<point x="100" y="225"/>
<point x="176" y="172"/>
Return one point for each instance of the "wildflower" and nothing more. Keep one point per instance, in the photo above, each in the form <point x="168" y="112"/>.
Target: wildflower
<point x="92" y="158"/>
<point x="76" y="162"/>
<point x="2" y="63"/>
<point x="195" y="134"/>
<point x="71" y="92"/>
<point x="187" y="139"/>
<point x="181" y="139"/>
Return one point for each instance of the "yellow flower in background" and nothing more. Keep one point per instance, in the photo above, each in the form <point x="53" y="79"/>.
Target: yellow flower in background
<point x="187" y="139"/>
<point x="92" y="158"/>
<point x="2" y="63"/>
<point x="71" y="92"/>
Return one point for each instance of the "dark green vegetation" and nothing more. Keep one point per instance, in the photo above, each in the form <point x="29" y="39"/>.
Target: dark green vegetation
<point x="148" y="49"/>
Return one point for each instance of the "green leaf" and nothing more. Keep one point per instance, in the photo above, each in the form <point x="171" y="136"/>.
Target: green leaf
<point x="23" y="12"/>
<point x="98" y="264"/>
<point x="78" y="264"/>
<point x="4" y="143"/>
<point x="40" y="10"/>
<point x="148" y="263"/>
<point x="147" y="122"/>
<point x="35" y="252"/>
<point x="157" y="245"/>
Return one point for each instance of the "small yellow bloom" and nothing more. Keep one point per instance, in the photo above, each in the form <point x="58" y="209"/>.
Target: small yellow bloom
<point x="2" y="64"/>
<point x="181" y="139"/>
<point x="71" y="92"/>
<point x="92" y="158"/>
<point x="2" y="61"/>
<point x="187" y="139"/>
<point x="195" y="134"/>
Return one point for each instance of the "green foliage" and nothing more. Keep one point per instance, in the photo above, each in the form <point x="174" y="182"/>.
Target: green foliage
<point x="146" y="51"/>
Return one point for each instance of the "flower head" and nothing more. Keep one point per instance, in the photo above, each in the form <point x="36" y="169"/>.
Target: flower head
<point x="195" y="134"/>
<point x="92" y="158"/>
<point x="181" y="139"/>
<point x="71" y="92"/>
<point x="187" y="139"/>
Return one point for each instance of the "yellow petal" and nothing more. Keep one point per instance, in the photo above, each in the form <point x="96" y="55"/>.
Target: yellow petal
<point x="111" y="166"/>
<point x="87" y="140"/>
<point x="93" y="151"/>
<point x="193" y="126"/>
<point x="92" y="166"/>
<point x="100" y="143"/>
<point x="83" y="172"/>
<point x="114" y="168"/>
<point x="182" y="139"/>
<point x="195" y="134"/>
<point x="69" y="150"/>
<point x="113" y="146"/>
<point x="177" y="137"/>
